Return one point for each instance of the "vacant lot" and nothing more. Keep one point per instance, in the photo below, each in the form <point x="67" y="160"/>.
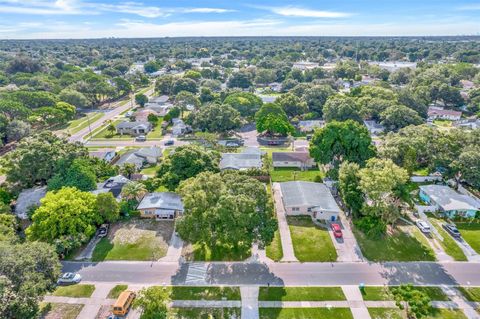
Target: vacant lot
<point x="471" y="233"/>
<point x="376" y="293"/>
<point x="310" y="242"/>
<point x="60" y="311"/>
<point x="75" y="291"/>
<point x="139" y="239"/>
<point x="398" y="246"/>
<point x="198" y="252"/>
<point x="205" y="293"/>
<point x="300" y="294"/>
<point x="204" y="313"/>
<point x="305" y="313"/>
<point x="294" y="174"/>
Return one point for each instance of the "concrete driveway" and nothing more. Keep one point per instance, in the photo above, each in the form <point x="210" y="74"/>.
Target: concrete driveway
<point x="249" y="135"/>
<point x="347" y="247"/>
<point x="287" y="246"/>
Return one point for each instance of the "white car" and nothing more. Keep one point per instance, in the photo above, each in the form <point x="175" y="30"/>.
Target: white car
<point x="423" y="226"/>
<point x="69" y="278"/>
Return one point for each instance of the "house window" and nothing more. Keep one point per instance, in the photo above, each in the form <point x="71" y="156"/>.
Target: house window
<point x="295" y="209"/>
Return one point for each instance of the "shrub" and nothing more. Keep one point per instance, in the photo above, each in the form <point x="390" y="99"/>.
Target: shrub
<point x="372" y="227"/>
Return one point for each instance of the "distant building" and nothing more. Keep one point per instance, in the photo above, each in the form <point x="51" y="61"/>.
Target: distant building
<point x="134" y="128"/>
<point x="301" y="160"/>
<point x="107" y="154"/>
<point x="308" y="198"/>
<point x="374" y="128"/>
<point x="161" y="206"/>
<point x="436" y="112"/>
<point x="392" y="66"/>
<point x="472" y="124"/>
<point x="305" y="65"/>
<point x="310" y="125"/>
<point x="179" y="127"/>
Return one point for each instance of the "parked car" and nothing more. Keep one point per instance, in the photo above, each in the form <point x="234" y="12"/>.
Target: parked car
<point x="452" y="230"/>
<point x="169" y="142"/>
<point x="69" y="278"/>
<point x="423" y="226"/>
<point x="103" y="230"/>
<point x="141" y="138"/>
<point x="337" y="230"/>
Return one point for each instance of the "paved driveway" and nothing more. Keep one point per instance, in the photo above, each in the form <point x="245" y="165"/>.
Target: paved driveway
<point x="347" y="247"/>
<point x="287" y="246"/>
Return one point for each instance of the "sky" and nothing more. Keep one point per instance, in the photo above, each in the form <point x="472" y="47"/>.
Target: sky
<point x="54" y="19"/>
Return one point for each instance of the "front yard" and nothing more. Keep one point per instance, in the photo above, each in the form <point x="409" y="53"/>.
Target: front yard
<point x="204" y="313"/>
<point x="74" y="291"/>
<point x="471" y="233"/>
<point x="205" y="293"/>
<point x="397" y="246"/>
<point x="310" y="242"/>
<point x="294" y="174"/>
<point x="377" y="293"/>
<point x="59" y="310"/>
<point x="274" y="250"/>
<point x="138" y="239"/>
<point x="393" y="313"/>
<point x="197" y="252"/>
<point x="448" y="243"/>
<point x="301" y="294"/>
<point x="305" y="313"/>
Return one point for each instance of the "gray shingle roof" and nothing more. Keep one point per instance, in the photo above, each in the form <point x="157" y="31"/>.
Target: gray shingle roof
<point x="150" y="152"/>
<point x="449" y="199"/>
<point x="131" y="125"/>
<point x="310" y="194"/>
<point x="290" y="156"/>
<point x="164" y="200"/>
<point x="240" y="161"/>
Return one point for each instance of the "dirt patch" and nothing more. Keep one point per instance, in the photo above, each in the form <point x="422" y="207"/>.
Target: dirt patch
<point x="131" y="231"/>
<point x="104" y="312"/>
<point x="61" y="311"/>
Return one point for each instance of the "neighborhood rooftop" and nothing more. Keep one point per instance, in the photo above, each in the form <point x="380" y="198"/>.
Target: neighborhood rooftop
<point x="448" y="199"/>
<point x="299" y="193"/>
<point x="164" y="200"/>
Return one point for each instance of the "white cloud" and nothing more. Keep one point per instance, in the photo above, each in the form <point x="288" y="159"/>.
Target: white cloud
<point x="207" y="10"/>
<point x="292" y="11"/>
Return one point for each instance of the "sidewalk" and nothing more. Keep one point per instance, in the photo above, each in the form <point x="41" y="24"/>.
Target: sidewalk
<point x="469" y="309"/>
<point x="356" y="303"/>
<point x="249" y="302"/>
<point x="174" y="251"/>
<point x="287" y="245"/>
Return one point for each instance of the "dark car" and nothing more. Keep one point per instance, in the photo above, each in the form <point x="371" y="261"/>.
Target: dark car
<point x="103" y="230"/>
<point x="452" y="230"/>
<point x="169" y="142"/>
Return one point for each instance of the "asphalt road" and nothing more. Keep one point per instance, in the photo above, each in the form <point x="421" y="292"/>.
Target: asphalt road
<point x="292" y="274"/>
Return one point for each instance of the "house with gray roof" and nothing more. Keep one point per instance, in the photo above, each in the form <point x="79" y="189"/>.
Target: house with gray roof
<point x="309" y="198"/>
<point x="309" y="126"/>
<point x="448" y="201"/>
<point x="301" y="160"/>
<point x="134" y="128"/>
<point x="140" y="157"/>
<point x="28" y="199"/>
<point x="161" y="206"/>
<point x="241" y="161"/>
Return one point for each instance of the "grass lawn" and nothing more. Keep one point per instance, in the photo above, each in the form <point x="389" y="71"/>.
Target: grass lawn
<point x="274" y="250"/>
<point x="448" y="244"/>
<point x="471" y="234"/>
<point x="293" y="174"/>
<point x="156" y="133"/>
<point x="139" y="239"/>
<point x="204" y="313"/>
<point x="300" y="294"/>
<point x="151" y="171"/>
<point x="305" y="313"/>
<point x="445" y="314"/>
<point x="310" y="242"/>
<point x="422" y="171"/>
<point x="81" y="123"/>
<point x="377" y="293"/>
<point x="386" y="313"/>
<point x="471" y="293"/>
<point x="59" y="310"/>
<point x="205" y="293"/>
<point x="395" y="247"/>
<point x="76" y="291"/>
<point x="116" y="291"/>
<point x="443" y="123"/>
<point x="197" y="252"/>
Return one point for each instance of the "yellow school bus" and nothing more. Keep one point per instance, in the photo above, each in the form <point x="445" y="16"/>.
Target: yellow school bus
<point x="123" y="303"/>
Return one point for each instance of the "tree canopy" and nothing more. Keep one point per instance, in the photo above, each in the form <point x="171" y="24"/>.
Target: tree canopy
<point x="272" y="119"/>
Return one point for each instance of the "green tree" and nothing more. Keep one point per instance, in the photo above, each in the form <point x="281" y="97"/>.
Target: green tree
<point x="108" y="207"/>
<point x="8" y="225"/>
<point x="292" y="105"/>
<point x="246" y="103"/>
<point x="317" y="96"/>
<point x="396" y="117"/>
<point x="415" y="302"/>
<point x="230" y="210"/>
<point x="184" y="84"/>
<point x="73" y="97"/>
<point x="128" y="169"/>
<point x="152" y="302"/>
<point x="215" y="118"/>
<point x="134" y="191"/>
<point x="241" y="79"/>
<point x="164" y="85"/>
<point x="29" y="271"/>
<point x="468" y="164"/>
<point x="272" y="119"/>
<point x="348" y="185"/>
<point x="68" y="215"/>
<point x="141" y="99"/>
<point x="187" y="161"/>
<point x="79" y="174"/>
<point x="341" y="108"/>
<point x="342" y="141"/>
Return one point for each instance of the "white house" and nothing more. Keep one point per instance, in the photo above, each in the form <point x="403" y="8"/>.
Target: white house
<point x="134" y="128"/>
<point x="301" y="160"/>
<point x="437" y="112"/>
<point x="308" y="198"/>
<point x="310" y="125"/>
<point x="305" y="65"/>
<point x="250" y="158"/>
<point x="28" y="199"/>
<point x="179" y="127"/>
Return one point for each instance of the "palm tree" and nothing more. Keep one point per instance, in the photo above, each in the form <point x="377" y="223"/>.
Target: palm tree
<point x="134" y="191"/>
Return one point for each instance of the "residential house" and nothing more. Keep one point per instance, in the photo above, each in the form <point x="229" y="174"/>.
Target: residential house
<point x="437" y="112"/>
<point x="310" y="125"/>
<point x="106" y="154"/>
<point x="392" y="66"/>
<point x="471" y="123"/>
<point x="448" y="201"/>
<point x="159" y="105"/>
<point x="374" y="128"/>
<point x="161" y="206"/>
<point x="142" y="115"/>
<point x="140" y="157"/>
<point x="301" y="160"/>
<point x="134" y="128"/>
<point x="28" y="199"/>
<point x="241" y="161"/>
<point x="309" y="198"/>
<point x="275" y="87"/>
<point x="113" y="185"/>
<point x="305" y="65"/>
<point x="179" y="127"/>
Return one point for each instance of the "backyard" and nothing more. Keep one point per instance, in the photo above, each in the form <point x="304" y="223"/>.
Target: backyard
<point x="310" y="242"/>
<point x="138" y="239"/>
<point x="295" y="174"/>
<point x="396" y="246"/>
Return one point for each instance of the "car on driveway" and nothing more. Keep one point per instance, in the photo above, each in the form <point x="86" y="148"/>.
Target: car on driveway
<point x="141" y="138"/>
<point x="103" y="230"/>
<point x="337" y="230"/>
<point x="69" y="278"/>
<point x="452" y="230"/>
<point x="423" y="226"/>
